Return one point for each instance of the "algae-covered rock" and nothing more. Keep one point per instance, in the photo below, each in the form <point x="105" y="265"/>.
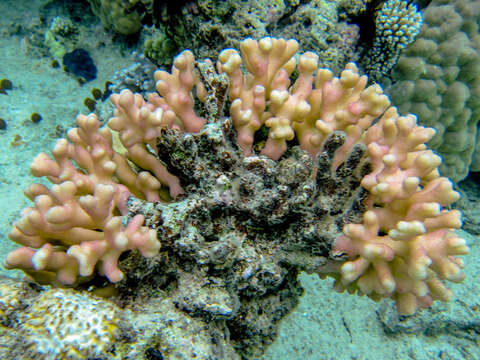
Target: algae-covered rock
<point x="122" y="16"/>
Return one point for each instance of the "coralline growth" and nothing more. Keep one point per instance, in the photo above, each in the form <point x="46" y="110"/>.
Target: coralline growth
<point x="56" y="324"/>
<point x="208" y="26"/>
<point x="123" y="17"/>
<point x="397" y="24"/>
<point x="310" y="172"/>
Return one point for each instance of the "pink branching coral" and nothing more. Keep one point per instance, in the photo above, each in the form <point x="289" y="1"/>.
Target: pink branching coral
<point x="405" y="244"/>
<point x="404" y="247"/>
<point x="64" y="224"/>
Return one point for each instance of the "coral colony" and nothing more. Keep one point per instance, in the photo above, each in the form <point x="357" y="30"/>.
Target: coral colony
<point x="309" y="172"/>
<point x="437" y="78"/>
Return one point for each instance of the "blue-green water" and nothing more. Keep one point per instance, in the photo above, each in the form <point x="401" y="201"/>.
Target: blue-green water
<point x="325" y="325"/>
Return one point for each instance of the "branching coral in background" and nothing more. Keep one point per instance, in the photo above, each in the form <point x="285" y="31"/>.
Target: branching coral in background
<point x="360" y="168"/>
<point x="397" y="24"/>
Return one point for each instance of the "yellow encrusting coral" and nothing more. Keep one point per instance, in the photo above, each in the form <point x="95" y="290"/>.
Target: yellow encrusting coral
<point x="67" y="324"/>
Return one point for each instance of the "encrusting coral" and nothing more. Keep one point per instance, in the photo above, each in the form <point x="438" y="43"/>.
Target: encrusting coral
<point x="56" y="323"/>
<point x="310" y="172"/>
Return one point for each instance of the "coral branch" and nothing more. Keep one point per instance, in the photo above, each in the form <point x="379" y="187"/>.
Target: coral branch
<point x="361" y="189"/>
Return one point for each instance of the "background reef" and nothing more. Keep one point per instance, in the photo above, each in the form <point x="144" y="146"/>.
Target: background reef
<point x="38" y="33"/>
